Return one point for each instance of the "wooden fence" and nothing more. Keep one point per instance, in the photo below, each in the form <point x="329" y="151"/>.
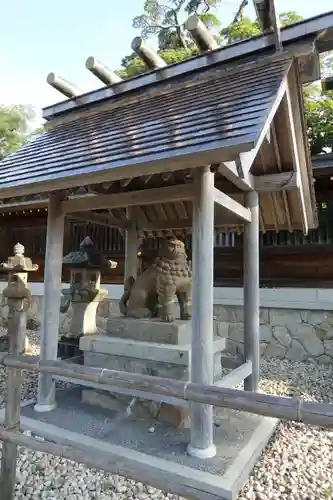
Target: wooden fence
<point x="224" y="397"/>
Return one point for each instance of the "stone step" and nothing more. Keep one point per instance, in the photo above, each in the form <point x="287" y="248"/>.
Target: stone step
<point x="150" y="330"/>
<point x="164" y="353"/>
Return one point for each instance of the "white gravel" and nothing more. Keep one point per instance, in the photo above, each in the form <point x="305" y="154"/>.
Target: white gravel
<point x="296" y="465"/>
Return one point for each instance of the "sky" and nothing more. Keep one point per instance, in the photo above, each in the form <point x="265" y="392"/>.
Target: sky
<point x="38" y="37"/>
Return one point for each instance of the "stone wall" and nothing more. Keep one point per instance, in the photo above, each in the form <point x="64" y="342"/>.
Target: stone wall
<point x="298" y="335"/>
<point x="285" y="333"/>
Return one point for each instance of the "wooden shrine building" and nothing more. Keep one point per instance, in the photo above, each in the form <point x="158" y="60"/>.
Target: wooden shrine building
<point x="283" y="245"/>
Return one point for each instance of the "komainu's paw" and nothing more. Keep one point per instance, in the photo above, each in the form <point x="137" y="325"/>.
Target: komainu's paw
<point x="139" y="313"/>
<point x="168" y="318"/>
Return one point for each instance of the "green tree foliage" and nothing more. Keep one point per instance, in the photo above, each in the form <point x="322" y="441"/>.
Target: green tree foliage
<point x="14" y="127"/>
<point x="319" y="114"/>
<point x="165" y="20"/>
<point x="133" y="65"/>
<point x="243" y="27"/>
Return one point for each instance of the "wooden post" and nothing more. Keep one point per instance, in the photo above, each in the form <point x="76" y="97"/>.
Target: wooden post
<point x="131" y="247"/>
<point x="52" y="299"/>
<point x="18" y="303"/>
<point x="201" y="444"/>
<point x="251" y="292"/>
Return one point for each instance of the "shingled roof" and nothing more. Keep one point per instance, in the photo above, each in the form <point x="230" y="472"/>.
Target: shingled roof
<point x="221" y="113"/>
<point x="246" y="119"/>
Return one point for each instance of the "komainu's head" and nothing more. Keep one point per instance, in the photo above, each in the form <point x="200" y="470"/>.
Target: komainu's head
<point x="173" y="249"/>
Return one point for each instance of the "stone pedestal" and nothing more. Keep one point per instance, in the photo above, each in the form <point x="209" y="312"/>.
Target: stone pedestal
<point x="148" y="347"/>
<point x="83" y="320"/>
<point x="17" y="296"/>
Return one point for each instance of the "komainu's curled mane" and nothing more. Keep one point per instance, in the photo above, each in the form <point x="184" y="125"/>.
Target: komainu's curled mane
<point x="153" y="292"/>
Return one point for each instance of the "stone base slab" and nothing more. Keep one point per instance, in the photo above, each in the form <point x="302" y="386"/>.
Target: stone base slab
<point x="149" y="358"/>
<point x="158" y="458"/>
<point x="150" y="330"/>
<point x="153" y="351"/>
<point x="145" y="366"/>
<point x="176" y="416"/>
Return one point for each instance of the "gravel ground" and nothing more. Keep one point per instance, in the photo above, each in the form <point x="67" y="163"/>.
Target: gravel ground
<point x="296" y="465"/>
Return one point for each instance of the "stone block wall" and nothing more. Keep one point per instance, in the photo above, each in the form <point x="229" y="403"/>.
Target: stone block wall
<point x="298" y="335"/>
<point x="294" y="334"/>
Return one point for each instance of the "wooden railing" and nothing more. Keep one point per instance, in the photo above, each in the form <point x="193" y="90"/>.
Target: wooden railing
<point x="260" y="404"/>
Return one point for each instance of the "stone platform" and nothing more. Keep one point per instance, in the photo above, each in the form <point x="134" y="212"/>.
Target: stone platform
<point x="148" y="347"/>
<point x="152" y="452"/>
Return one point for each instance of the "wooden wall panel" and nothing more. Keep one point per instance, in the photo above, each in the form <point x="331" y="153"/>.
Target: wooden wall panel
<point x="285" y="260"/>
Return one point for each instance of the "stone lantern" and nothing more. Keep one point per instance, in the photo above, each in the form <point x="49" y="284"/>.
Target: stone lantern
<point x="84" y="294"/>
<point x="17" y="296"/>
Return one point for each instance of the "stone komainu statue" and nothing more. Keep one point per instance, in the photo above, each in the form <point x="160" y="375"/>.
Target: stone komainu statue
<point x="153" y="292"/>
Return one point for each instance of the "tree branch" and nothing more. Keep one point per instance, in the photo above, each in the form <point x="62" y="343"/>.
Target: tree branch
<point x="239" y="14"/>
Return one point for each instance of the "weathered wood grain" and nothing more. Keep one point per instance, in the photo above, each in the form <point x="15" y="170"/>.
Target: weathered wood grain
<point x="52" y="297"/>
<point x="201" y="360"/>
<point x="17" y="320"/>
<point x="251" y="402"/>
<point x="251" y="292"/>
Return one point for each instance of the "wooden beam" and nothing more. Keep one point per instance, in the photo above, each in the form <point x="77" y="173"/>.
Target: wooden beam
<point x="163" y="225"/>
<point x="247" y="158"/>
<point x="165" y="176"/>
<point x="103" y="73"/>
<point x="130" y="199"/>
<point x="17" y="320"/>
<point x="284" y="181"/>
<point x="125" y="182"/>
<point x="268" y="19"/>
<point x="232" y="170"/>
<point x="251" y="293"/>
<point x="278" y="161"/>
<point x="202" y="36"/>
<point x="99" y="219"/>
<point x="146" y="178"/>
<point x="148" y="55"/>
<point x="276" y="26"/>
<point x="231" y="205"/>
<point x="268" y="405"/>
<point x="201" y="361"/>
<point x="236" y="376"/>
<point x="291" y="134"/>
<point x="131" y="246"/>
<point x="63" y="86"/>
<point x="52" y="295"/>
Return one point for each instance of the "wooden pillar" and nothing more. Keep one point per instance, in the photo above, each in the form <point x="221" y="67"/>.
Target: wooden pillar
<point x="52" y="298"/>
<point x="18" y="304"/>
<point x="131" y="247"/>
<point x="201" y="444"/>
<point x="251" y="292"/>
